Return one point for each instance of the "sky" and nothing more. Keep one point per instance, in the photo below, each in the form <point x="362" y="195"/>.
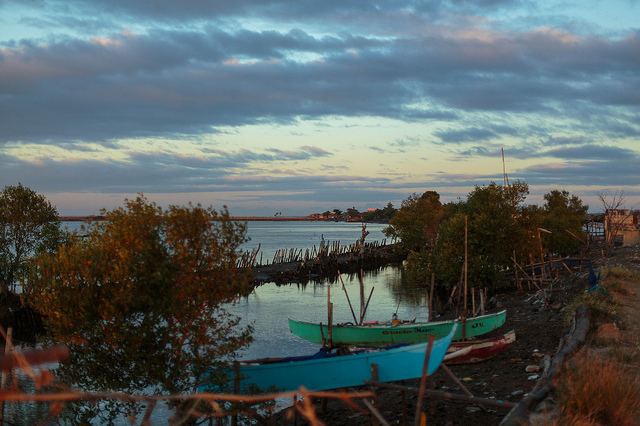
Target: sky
<point x="299" y="106"/>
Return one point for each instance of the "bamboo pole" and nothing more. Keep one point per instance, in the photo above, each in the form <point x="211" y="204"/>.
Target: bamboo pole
<point x="366" y="306"/>
<point x="433" y="281"/>
<point x="355" y="321"/>
<point x="423" y="380"/>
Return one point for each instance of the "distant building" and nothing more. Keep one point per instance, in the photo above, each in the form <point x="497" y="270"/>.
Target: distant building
<point x="622" y="226"/>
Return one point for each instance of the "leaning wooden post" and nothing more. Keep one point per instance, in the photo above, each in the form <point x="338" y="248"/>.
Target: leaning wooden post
<point x="423" y="380"/>
<point x="355" y="320"/>
<point x="364" y="313"/>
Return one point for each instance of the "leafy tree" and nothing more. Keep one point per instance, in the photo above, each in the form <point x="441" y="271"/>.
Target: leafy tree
<point x="494" y="232"/>
<point x="139" y="301"/>
<point x="29" y="224"/>
<point x="565" y="216"/>
<point x="416" y="223"/>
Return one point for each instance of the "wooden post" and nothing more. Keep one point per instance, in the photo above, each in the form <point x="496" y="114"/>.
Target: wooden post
<point x="423" y="380"/>
<point x="466" y="264"/>
<point x="482" y="297"/>
<point x="542" y="271"/>
<point x="433" y="281"/>
<point x="236" y="390"/>
<point x="515" y="271"/>
<point x="330" y="325"/>
<point x="361" y="294"/>
<point x="355" y="321"/>
<point x="473" y="301"/>
<point x="374" y="378"/>
<point x="364" y="313"/>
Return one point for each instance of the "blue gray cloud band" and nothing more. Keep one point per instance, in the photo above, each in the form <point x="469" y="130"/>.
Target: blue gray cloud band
<point x="191" y="80"/>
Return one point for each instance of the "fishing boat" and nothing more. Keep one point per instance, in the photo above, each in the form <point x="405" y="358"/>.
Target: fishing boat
<point x="383" y="334"/>
<point x="339" y="371"/>
<point x="472" y="351"/>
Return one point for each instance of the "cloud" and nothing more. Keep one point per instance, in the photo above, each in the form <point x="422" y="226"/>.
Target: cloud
<point x="181" y="81"/>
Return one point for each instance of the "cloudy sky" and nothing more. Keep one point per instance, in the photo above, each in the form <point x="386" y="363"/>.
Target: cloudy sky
<point x="307" y="105"/>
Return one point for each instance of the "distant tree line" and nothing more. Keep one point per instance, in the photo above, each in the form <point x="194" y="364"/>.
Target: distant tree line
<point x="501" y="227"/>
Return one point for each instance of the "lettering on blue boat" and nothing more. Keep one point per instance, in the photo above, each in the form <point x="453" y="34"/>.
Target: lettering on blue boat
<point x="477" y="324"/>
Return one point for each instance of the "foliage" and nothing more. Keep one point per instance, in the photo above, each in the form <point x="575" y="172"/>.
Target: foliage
<point x="139" y="301"/>
<point x="416" y="223"/>
<point x="29" y="224"/>
<point x="564" y="216"/>
<point x="383" y="215"/>
<point x="494" y="232"/>
<point x="499" y="227"/>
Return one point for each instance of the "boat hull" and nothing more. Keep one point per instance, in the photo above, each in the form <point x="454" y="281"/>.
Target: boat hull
<point x="382" y="335"/>
<point x="343" y="371"/>
<point x="469" y="352"/>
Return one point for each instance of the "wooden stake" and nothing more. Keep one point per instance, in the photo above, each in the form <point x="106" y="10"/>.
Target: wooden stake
<point x="433" y="281"/>
<point x="423" y="380"/>
<point x="355" y="321"/>
<point x="366" y="306"/>
<point x="466" y="264"/>
<point x="473" y="301"/>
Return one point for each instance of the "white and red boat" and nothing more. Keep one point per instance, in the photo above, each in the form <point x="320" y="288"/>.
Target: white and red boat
<point x="472" y="351"/>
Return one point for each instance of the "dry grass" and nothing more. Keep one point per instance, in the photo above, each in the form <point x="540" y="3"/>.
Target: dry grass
<point x="621" y="273"/>
<point x="598" y="391"/>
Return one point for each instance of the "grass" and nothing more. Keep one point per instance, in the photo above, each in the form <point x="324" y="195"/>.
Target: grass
<point x="621" y="273"/>
<point x="598" y="391"/>
<point x="601" y="305"/>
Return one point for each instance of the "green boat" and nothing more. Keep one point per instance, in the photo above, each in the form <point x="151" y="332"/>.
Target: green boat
<point x="385" y="334"/>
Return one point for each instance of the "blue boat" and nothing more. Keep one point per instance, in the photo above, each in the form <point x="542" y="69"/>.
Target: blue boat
<point x="332" y="372"/>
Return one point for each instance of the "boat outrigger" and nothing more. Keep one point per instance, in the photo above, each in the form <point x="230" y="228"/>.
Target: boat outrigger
<point x="387" y="333"/>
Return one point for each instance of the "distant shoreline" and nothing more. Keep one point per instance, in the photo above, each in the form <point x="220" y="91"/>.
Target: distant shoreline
<point x="234" y="218"/>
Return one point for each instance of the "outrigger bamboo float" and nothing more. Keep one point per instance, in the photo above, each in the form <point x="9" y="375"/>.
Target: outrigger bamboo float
<point x="338" y="371"/>
<point x="386" y="334"/>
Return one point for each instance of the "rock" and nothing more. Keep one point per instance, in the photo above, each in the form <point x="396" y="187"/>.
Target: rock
<point x="472" y="409"/>
<point x="517" y="392"/>
<point x="533" y="377"/>
<point x="467" y="379"/>
<point x="532" y="368"/>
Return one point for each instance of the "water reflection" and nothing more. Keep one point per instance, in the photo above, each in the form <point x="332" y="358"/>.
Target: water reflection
<point x="270" y="305"/>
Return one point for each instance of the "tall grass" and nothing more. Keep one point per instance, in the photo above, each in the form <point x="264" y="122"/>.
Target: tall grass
<point x="598" y="391"/>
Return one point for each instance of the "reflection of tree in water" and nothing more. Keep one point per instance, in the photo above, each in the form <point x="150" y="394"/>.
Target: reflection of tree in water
<point x="406" y="289"/>
<point x="138" y="303"/>
<point x="24" y="413"/>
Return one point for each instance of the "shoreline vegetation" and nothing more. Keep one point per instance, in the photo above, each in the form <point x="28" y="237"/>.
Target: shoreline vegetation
<point x="146" y="278"/>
